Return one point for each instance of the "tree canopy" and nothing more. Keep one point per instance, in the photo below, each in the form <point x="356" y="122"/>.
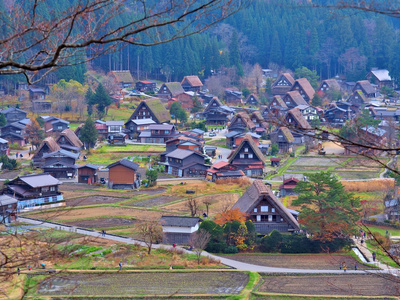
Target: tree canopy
<point x="328" y="211"/>
<point x="89" y="133"/>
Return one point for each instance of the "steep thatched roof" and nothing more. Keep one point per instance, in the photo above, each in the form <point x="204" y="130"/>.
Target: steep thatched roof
<point x="71" y="137"/>
<point x="306" y="86"/>
<point x="296" y="114"/>
<point x="123" y="76"/>
<point x="247" y="139"/>
<point x="157" y="108"/>
<point x="192" y="80"/>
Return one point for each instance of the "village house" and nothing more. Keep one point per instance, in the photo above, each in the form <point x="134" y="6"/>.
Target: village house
<point x="135" y="126"/>
<point x="233" y="96"/>
<point x="191" y="83"/>
<point x="357" y="98"/>
<point x="371" y="138"/>
<point x="8" y="209"/>
<point x="336" y="115"/>
<point x="287" y="187"/>
<point x="381" y="78"/>
<point x="241" y="122"/>
<point x="295" y="119"/>
<point x="123" y="78"/>
<point x="205" y="98"/>
<point x="217" y="114"/>
<point x="252" y="100"/>
<point x="178" y="230"/>
<point x="265" y="210"/>
<point x="185" y="163"/>
<point x="68" y="140"/>
<point x="157" y="134"/>
<point x="14" y="133"/>
<point x="329" y="85"/>
<point x="284" y="139"/>
<point x="146" y="86"/>
<point x="48" y="145"/>
<point x="366" y="87"/>
<point x="182" y="141"/>
<point x="60" y="163"/>
<point x="123" y="174"/>
<point x="41" y="106"/>
<point x="115" y="134"/>
<point x="222" y="170"/>
<point x="309" y="112"/>
<point x="102" y="130"/>
<point x="35" y="191"/>
<point x="13" y="114"/>
<point x="234" y="138"/>
<point x="54" y="124"/>
<point x="293" y="99"/>
<point x="151" y="109"/>
<point x="303" y="86"/>
<point x="248" y="158"/>
<point x="170" y="90"/>
<point x="88" y="174"/>
<point x="36" y="94"/>
<point x="283" y="84"/>
<point x="389" y="114"/>
<point x="4" y="147"/>
<point x="186" y="100"/>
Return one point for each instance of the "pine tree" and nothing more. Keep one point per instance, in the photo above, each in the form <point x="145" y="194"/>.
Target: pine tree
<point x="3" y="120"/>
<point x="234" y="54"/>
<point x="276" y="51"/>
<point x="89" y="133"/>
<point x="102" y="100"/>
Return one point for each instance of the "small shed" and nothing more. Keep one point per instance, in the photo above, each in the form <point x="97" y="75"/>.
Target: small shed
<point x="87" y="174"/>
<point x="178" y="230"/>
<point x="275" y="161"/>
<point x="8" y="209"/>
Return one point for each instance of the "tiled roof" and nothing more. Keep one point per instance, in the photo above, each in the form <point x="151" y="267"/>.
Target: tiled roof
<point x="382" y="75"/>
<point x="220" y="164"/>
<point x="39" y="180"/>
<point x="11" y="109"/>
<point x="182" y="153"/>
<point x="126" y="163"/>
<point x="63" y="152"/>
<point x="176" y="221"/>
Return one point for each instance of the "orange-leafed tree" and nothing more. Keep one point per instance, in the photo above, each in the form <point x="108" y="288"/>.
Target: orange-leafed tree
<point x="328" y="211"/>
<point x="34" y="133"/>
<point x="230" y="216"/>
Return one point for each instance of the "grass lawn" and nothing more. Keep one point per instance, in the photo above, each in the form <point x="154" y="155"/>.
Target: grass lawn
<point x="382" y="230"/>
<point x="133" y="148"/>
<point x="380" y="254"/>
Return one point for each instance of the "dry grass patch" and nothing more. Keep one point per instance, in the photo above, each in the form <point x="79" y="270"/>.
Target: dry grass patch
<point x="204" y="187"/>
<point x="370" y="185"/>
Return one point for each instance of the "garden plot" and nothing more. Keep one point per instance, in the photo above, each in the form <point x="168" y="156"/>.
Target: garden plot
<point x="102" y="222"/>
<point x="342" y="284"/>
<point x="298" y="261"/>
<point x="92" y="200"/>
<point x="155" y="201"/>
<point x="157" y="283"/>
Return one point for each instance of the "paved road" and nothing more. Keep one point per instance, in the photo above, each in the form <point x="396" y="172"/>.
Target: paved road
<point x="228" y="262"/>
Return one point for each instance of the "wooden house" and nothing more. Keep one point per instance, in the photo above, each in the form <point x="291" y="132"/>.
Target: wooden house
<point x="55" y="125"/>
<point x="178" y="230"/>
<point x="370" y="140"/>
<point x="170" y="90"/>
<point x="265" y="210"/>
<point x="157" y="134"/>
<point x="146" y="86"/>
<point x="295" y="119"/>
<point x="283" y="84"/>
<point x="14" y="133"/>
<point x="234" y="138"/>
<point x="151" y="109"/>
<point x="123" y="175"/>
<point x="47" y="146"/>
<point x="216" y="113"/>
<point x="329" y="85"/>
<point x="309" y="112"/>
<point x="284" y="139"/>
<point x="248" y="158"/>
<point x="287" y="187"/>
<point x="233" y="97"/>
<point x="381" y="78"/>
<point x="222" y="170"/>
<point x="135" y="126"/>
<point x="278" y="103"/>
<point x="275" y="161"/>
<point x="88" y="174"/>
<point x="4" y="147"/>
<point x="13" y="114"/>
<point x="357" y="98"/>
<point x="102" y="129"/>
<point x="303" y="86"/>
<point x="41" y="106"/>
<point x="8" y="209"/>
<point x="293" y="99"/>
<point x="60" y="163"/>
<point x="241" y="122"/>
<point x="366" y="87"/>
<point x="182" y="142"/>
<point x="36" y="94"/>
<point x="68" y="140"/>
<point x="191" y="83"/>
<point x="123" y="78"/>
<point x="35" y="191"/>
<point x="186" y="100"/>
<point x="185" y="163"/>
<point x="336" y="115"/>
<point x="252" y="100"/>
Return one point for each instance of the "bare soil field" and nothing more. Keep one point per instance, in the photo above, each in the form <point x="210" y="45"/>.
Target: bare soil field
<point x="9" y="174"/>
<point x="102" y="222"/>
<point x="345" y="284"/>
<point x="357" y="175"/>
<point x="157" y="283"/>
<point x="98" y="212"/>
<point x="218" y="203"/>
<point x="159" y="200"/>
<point x="298" y="261"/>
<point x="319" y="161"/>
<point x="91" y="200"/>
<point x="364" y="162"/>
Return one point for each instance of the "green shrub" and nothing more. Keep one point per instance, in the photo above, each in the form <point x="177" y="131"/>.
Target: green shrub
<point x="231" y="250"/>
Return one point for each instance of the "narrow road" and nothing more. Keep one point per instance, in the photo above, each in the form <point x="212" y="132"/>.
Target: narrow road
<point x="226" y="261"/>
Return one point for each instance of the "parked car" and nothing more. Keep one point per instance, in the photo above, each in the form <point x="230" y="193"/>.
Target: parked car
<point x="135" y="94"/>
<point x="212" y="134"/>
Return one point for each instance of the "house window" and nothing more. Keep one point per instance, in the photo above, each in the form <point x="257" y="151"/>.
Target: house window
<point x="246" y="150"/>
<point x="59" y="127"/>
<point x="166" y="131"/>
<point x="241" y="155"/>
<point x="255" y="210"/>
<point x="251" y="155"/>
<point x="272" y="209"/>
<point x="270" y="218"/>
<point x="264" y="208"/>
<point x="258" y="218"/>
<point x="52" y="188"/>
